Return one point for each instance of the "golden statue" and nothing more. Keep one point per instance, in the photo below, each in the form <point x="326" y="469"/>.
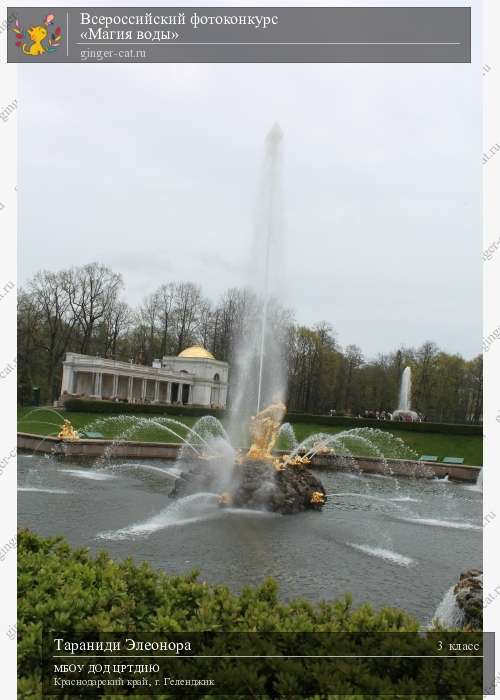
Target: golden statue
<point x="264" y="429"/>
<point x="317" y="498"/>
<point x="298" y="461"/>
<point x="225" y="499"/>
<point x="67" y="432"/>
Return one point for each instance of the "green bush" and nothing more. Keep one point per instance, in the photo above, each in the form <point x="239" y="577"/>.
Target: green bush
<point x="424" y="427"/>
<point x="88" y="406"/>
<point x="73" y="595"/>
<point x="69" y="591"/>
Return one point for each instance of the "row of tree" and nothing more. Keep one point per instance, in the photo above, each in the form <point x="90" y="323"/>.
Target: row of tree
<point x="82" y="310"/>
<point x="324" y="376"/>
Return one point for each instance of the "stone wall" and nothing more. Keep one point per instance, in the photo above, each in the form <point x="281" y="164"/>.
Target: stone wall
<point x="162" y="450"/>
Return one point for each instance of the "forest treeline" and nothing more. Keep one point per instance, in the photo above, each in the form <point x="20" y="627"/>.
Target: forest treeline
<point x="82" y="309"/>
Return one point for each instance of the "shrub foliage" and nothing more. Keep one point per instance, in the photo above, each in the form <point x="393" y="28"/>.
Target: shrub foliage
<point x="69" y="592"/>
<point x="416" y="427"/>
<point x="88" y="406"/>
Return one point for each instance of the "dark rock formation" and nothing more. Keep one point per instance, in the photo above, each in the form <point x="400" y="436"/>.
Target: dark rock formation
<point x="258" y="484"/>
<point x="469" y="597"/>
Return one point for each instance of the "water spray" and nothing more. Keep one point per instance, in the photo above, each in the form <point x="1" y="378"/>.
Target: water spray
<point x="273" y="141"/>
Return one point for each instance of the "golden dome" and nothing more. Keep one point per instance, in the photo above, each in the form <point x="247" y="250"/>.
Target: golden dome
<point x="198" y="352"/>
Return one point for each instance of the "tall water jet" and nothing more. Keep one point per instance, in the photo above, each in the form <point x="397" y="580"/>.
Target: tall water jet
<point x="404" y="411"/>
<point x="271" y="226"/>
<point x="405" y="390"/>
<point x="259" y="364"/>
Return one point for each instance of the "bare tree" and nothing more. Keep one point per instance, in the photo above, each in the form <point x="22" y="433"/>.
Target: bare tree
<point x="50" y="295"/>
<point x="148" y="317"/>
<point x="206" y="321"/>
<point x="187" y="311"/>
<point x="165" y="297"/>
<point x="91" y="290"/>
<point x="353" y="358"/>
<point x="116" y="324"/>
<point x="424" y="377"/>
<point x="30" y="343"/>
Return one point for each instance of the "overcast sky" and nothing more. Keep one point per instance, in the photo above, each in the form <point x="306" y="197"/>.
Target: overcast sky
<point x="153" y="170"/>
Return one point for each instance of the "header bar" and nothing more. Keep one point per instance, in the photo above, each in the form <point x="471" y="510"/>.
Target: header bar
<point x="239" y="35"/>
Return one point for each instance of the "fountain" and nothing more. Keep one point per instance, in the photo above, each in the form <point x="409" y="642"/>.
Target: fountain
<point x="262" y="480"/>
<point x="462" y="605"/>
<point x="67" y="432"/>
<point x="258" y="363"/>
<point x="479" y="482"/>
<point x="259" y="479"/>
<point x="404" y="412"/>
<point x="478" y="486"/>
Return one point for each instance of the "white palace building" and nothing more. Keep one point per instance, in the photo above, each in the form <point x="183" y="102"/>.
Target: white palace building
<point x="194" y="377"/>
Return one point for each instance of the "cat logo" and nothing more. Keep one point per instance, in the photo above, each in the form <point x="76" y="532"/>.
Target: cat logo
<point x="39" y="39"/>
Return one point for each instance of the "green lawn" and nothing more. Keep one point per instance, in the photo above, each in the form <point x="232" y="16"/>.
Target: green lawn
<point x="46" y="422"/>
<point x="470" y="447"/>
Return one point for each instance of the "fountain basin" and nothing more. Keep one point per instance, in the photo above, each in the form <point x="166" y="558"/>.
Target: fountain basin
<point x="368" y="539"/>
<point x="405" y="415"/>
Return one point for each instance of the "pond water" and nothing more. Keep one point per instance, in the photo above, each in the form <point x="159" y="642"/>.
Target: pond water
<point x="399" y="542"/>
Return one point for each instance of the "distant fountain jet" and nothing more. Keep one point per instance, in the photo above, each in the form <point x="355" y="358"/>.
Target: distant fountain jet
<point x="404" y="412"/>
